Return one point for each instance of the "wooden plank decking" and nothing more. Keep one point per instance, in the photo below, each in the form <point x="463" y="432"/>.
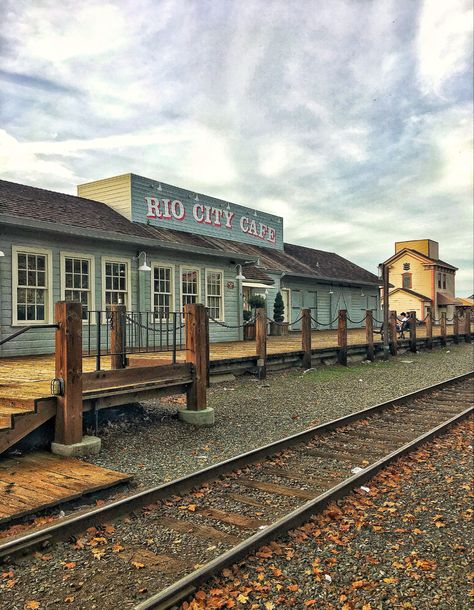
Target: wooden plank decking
<point x="40" y="480"/>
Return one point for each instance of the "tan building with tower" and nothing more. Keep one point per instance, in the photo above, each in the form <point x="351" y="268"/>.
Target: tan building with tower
<point x="420" y="280"/>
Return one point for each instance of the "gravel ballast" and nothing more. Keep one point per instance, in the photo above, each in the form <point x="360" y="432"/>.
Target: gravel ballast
<point x="403" y="540"/>
<point x="157" y="447"/>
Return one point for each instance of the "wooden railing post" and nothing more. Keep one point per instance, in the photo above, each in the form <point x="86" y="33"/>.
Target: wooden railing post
<point x="412" y="324"/>
<point x="443" y="328"/>
<point x="393" y="333"/>
<point x="306" y="337"/>
<point x="369" y="334"/>
<point x="467" y="329"/>
<point x="456" y="324"/>
<point x="429" y="330"/>
<point x="197" y="350"/>
<point x="68" y="365"/>
<point x="261" y="341"/>
<point x="117" y="336"/>
<point x="342" y="337"/>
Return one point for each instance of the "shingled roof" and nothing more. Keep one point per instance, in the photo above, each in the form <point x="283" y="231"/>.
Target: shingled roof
<point x="20" y="201"/>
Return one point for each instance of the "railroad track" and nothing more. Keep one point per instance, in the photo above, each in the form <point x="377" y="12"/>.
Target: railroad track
<point x="221" y="513"/>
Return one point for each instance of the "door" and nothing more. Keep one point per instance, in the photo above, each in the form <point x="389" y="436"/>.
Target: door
<point x="285" y="293"/>
<point x="296" y="302"/>
<point x="310" y="301"/>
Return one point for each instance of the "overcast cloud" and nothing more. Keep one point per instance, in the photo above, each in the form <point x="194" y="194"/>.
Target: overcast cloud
<point x="351" y="119"/>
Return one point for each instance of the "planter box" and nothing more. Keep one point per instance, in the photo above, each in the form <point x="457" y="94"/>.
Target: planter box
<point x="278" y="330"/>
<point x="249" y="332"/>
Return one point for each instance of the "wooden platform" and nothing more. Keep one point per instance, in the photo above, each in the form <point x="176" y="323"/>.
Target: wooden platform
<point x="40" y="480"/>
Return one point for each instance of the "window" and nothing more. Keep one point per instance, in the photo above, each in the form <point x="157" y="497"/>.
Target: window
<point x="31" y="290"/>
<point x="116" y="282"/>
<point x="162" y="291"/>
<point x="406" y="280"/>
<point x="190" y="279"/>
<point x="439" y="280"/>
<point x="215" y="294"/>
<point x="77" y="280"/>
<point x="444" y="281"/>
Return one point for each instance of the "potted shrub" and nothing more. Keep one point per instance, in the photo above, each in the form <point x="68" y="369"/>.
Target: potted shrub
<point x="255" y="302"/>
<point x="278" y="326"/>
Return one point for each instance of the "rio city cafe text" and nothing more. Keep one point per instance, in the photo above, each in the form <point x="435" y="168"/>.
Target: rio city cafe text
<point x="167" y="209"/>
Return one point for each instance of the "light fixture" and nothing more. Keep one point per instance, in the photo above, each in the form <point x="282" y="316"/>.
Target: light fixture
<point x="144" y="266"/>
<point x="331" y="291"/>
<point x="158" y="188"/>
<point x="228" y="206"/>
<point x="196" y="198"/>
<point x="255" y="212"/>
<point x="240" y="275"/>
<point x="57" y="387"/>
<point x="2" y="253"/>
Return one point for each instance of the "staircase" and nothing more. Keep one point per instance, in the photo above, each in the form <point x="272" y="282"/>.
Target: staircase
<point x="20" y="416"/>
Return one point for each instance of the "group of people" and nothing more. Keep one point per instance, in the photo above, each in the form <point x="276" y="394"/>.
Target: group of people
<point x="404" y="324"/>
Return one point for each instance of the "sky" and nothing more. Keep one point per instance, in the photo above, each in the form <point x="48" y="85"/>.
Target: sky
<point x="351" y="119"/>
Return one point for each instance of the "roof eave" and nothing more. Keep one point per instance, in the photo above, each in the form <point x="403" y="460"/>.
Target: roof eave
<point x="334" y="280"/>
<point x="73" y="230"/>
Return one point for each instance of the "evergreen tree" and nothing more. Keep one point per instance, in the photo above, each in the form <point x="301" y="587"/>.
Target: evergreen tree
<point x="278" y="308"/>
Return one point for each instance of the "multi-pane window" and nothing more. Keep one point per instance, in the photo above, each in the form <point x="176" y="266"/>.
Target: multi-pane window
<point x="444" y="281"/>
<point x="77" y="282"/>
<point x="214" y="294"/>
<point x="162" y="291"/>
<point x="406" y="280"/>
<point x="31" y="287"/>
<point x="439" y="280"/>
<point x="116" y="283"/>
<point x="189" y="286"/>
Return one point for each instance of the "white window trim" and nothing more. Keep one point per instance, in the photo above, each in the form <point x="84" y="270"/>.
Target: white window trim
<point x="172" y="287"/>
<point x="117" y="259"/>
<point x="188" y="268"/>
<point x="221" y="271"/>
<point x="91" y="258"/>
<point x="49" y="310"/>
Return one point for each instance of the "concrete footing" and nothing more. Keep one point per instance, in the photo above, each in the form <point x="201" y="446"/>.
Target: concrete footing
<point x="90" y="445"/>
<point x="203" y="417"/>
<point x="222" y="378"/>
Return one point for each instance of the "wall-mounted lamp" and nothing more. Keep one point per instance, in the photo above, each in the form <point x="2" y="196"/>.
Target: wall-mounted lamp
<point x="255" y="213"/>
<point x="331" y="291"/>
<point x="196" y="198"/>
<point x="2" y="253"/>
<point x="227" y="206"/>
<point x="158" y="188"/>
<point x="240" y="275"/>
<point x="144" y="266"/>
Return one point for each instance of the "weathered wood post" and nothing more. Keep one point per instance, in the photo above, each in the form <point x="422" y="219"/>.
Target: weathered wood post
<point x="456" y="325"/>
<point x="443" y="329"/>
<point x="68" y="438"/>
<point x="429" y="330"/>
<point x="369" y="334"/>
<point x="393" y="333"/>
<point x="117" y="336"/>
<point x="412" y="324"/>
<point x="342" y="337"/>
<point x="306" y="337"/>
<point x="197" y="353"/>
<point x="467" y="329"/>
<point x="261" y="341"/>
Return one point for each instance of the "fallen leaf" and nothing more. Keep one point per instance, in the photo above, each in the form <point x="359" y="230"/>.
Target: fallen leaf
<point x="138" y="565"/>
<point x="69" y="565"/>
<point x="31" y="605"/>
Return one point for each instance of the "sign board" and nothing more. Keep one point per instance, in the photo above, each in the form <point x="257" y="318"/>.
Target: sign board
<point x="168" y="206"/>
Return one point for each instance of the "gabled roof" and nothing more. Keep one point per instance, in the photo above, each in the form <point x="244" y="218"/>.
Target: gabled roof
<point x="22" y="202"/>
<point x="418" y="295"/>
<point x="432" y="261"/>
<point x="449" y="299"/>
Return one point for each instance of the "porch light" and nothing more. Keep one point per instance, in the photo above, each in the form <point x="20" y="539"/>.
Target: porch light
<point x="57" y="386"/>
<point x="143" y="267"/>
<point x="2" y="253"/>
<point x="240" y="275"/>
<point x="331" y="291"/>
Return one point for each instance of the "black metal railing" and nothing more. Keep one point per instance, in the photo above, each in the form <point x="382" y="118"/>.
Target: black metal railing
<point x="141" y="332"/>
<point x="25" y="329"/>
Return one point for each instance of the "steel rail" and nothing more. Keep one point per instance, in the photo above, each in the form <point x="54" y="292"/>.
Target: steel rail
<point x="188" y="585"/>
<point x="65" y="527"/>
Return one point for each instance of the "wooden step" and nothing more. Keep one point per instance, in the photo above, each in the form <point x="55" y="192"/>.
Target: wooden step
<point x="19" y="423"/>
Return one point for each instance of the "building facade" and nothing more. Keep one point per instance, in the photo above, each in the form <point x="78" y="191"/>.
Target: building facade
<point x="155" y="247"/>
<point x="421" y="281"/>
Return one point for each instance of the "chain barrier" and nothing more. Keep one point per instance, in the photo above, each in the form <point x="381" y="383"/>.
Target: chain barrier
<point x="156" y="329"/>
<point x="225" y="325"/>
<point x="316" y="321"/>
<point x="354" y="322"/>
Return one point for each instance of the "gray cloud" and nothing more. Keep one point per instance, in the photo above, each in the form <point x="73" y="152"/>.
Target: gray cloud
<point x="354" y="120"/>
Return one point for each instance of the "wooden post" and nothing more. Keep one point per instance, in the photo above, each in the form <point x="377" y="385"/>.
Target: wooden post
<point x="261" y="341"/>
<point x="412" y="323"/>
<point x="306" y="337"/>
<point x="385" y="279"/>
<point x="443" y="329"/>
<point x="117" y="336"/>
<point x="369" y="334"/>
<point x="197" y="340"/>
<point x="68" y="365"/>
<point x="456" y="324"/>
<point x="393" y="333"/>
<point x="429" y="330"/>
<point x="467" y="328"/>
<point x="342" y="337"/>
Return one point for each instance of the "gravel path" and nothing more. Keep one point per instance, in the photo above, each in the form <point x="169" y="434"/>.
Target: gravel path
<point x="402" y="541"/>
<point x="158" y="448"/>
